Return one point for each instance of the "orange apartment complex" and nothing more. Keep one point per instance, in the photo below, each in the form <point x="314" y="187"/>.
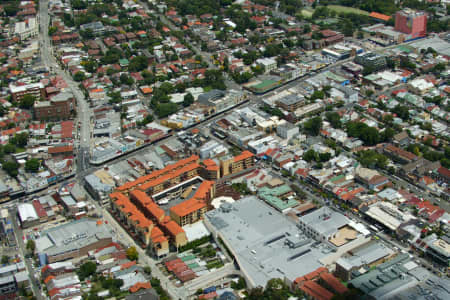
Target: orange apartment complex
<point x="193" y="209"/>
<point x="232" y="165"/>
<point x="135" y="208"/>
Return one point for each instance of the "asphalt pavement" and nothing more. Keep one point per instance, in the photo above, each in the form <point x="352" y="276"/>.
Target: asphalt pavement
<point x="84" y="112"/>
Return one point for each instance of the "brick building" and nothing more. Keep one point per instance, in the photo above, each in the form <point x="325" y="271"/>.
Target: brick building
<point x="411" y="22"/>
<point x="59" y="107"/>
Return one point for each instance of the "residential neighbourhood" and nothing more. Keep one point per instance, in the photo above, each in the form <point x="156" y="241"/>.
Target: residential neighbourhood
<point x="224" y="149"/>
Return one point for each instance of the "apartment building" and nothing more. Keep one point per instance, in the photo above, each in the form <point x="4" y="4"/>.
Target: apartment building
<point x="193" y="209"/>
<point x="59" y="107"/>
<point x="34" y="89"/>
<point x="232" y="165"/>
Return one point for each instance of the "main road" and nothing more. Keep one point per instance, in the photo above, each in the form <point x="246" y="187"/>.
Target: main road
<point x="28" y="261"/>
<point x="84" y="113"/>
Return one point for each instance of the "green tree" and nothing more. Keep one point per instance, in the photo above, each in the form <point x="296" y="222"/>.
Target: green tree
<point x="5" y="259"/>
<point x="52" y="30"/>
<point x="87" y="269"/>
<point x="79" y="76"/>
<point x="401" y="112"/>
<point x="138" y="64"/>
<point x="11" y="9"/>
<point x="188" y="100"/>
<point x="9" y="148"/>
<point x="132" y="253"/>
<point x="27" y="101"/>
<point x="32" y="165"/>
<point x="125" y="79"/>
<point x="313" y="125"/>
<point x="165" y="109"/>
<point x="87" y="34"/>
<point x="148" y="119"/>
<point x="309" y="155"/>
<point x="334" y="118"/>
<point x="11" y="167"/>
<point x="31" y="246"/>
<point x="20" y="139"/>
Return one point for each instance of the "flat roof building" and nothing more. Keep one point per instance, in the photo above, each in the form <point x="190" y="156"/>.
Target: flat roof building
<point x="265" y="243"/>
<point x="72" y="240"/>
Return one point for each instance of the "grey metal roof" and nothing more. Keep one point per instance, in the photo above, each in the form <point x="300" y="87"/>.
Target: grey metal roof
<point x="71" y="236"/>
<point x="266" y="244"/>
<point x="325" y="220"/>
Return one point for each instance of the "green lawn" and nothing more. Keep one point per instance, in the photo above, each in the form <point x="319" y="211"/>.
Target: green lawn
<point x="307" y="13"/>
<point x="346" y="9"/>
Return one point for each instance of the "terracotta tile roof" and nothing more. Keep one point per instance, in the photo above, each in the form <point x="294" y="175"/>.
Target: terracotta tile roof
<point x="47" y="280"/>
<point x="171" y="175"/>
<point x="316" y="291"/>
<point x="400" y="152"/>
<point x="333" y="283"/>
<point x="127" y="265"/>
<point x="140" y="285"/>
<point x="158" y="173"/>
<point x="60" y="149"/>
<point x="173" y="228"/>
<point x="244" y="155"/>
<point x="186" y="207"/>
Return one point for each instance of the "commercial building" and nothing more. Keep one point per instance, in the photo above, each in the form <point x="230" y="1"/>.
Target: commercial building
<point x="29" y="216"/>
<point x="387" y="214"/>
<point x="319" y="284"/>
<point x="264" y="243"/>
<point x="291" y="102"/>
<point x="333" y="228"/>
<point x="372" y="60"/>
<point x="34" y="89"/>
<point x="216" y="100"/>
<point x="411" y="22"/>
<point x="72" y="240"/>
<point x="399" y="155"/>
<point x="278" y="196"/>
<point x="268" y="63"/>
<point x="362" y="259"/>
<point x="402" y="278"/>
<point x="26" y="28"/>
<point x="287" y="130"/>
<point x="59" y="107"/>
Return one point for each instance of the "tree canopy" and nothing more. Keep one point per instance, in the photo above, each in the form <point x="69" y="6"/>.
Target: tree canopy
<point x="313" y="125"/>
<point x="132" y="253"/>
<point x="32" y="165"/>
<point x="27" y="101"/>
<point x="87" y="269"/>
<point x="369" y="135"/>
